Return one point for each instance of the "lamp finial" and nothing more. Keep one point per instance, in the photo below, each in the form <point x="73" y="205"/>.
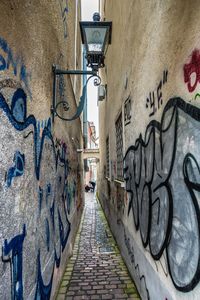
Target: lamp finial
<point x="96" y="17"/>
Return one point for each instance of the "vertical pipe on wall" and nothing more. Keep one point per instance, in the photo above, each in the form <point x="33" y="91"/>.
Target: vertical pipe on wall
<point x="75" y="42"/>
<point x="85" y="131"/>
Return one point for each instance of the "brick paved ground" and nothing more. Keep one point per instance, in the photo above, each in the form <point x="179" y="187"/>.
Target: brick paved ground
<point x="96" y="269"/>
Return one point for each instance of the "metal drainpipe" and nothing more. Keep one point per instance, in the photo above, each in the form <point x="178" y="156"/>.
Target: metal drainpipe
<point x="85" y="131"/>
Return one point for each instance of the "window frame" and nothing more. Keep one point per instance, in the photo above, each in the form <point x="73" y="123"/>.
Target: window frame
<point x="107" y="157"/>
<point x="119" y="139"/>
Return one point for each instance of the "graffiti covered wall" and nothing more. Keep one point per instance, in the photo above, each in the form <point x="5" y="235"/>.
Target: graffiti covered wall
<point x="40" y="172"/>
<point x="157" y="224"/>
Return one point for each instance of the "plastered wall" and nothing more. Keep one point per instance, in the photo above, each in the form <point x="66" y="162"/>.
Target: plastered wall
<point x="40" y="173"/>
<point x="152" y="76"/>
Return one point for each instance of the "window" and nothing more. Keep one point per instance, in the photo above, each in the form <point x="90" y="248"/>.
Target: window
<point x="127" y="111"/>
<point x="119" y="146"/>
<point x="107" y="158"/>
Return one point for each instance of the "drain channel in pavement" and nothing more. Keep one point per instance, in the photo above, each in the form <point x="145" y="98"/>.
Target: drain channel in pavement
<point x="103" y="236"/>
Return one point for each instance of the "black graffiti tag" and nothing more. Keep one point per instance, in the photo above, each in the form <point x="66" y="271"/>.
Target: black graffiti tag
<point x="162" y="177"/>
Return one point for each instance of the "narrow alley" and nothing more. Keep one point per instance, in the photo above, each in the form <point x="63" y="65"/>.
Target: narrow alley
<point x="96" y="269"/>
<point x="99" y="149"/>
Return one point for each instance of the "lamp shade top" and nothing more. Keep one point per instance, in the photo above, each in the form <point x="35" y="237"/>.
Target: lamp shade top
<point x="95" y="35"/>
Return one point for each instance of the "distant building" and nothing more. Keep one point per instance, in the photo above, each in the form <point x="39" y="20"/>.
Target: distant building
<point x="91" y="170"/>
<point x="92" y="140"/>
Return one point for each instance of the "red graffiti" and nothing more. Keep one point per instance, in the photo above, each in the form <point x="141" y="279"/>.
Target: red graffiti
<point x="192" y="69"/>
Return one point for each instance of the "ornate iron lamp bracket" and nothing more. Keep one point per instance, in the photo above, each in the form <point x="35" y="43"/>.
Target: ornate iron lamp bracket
<point x="55" y="104"/>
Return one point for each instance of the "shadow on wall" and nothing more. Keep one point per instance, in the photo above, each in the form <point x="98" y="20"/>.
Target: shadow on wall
<point x="37" y="190"/>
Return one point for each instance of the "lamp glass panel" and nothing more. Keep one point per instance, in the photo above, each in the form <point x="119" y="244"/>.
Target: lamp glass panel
<point x="95" y="37"/>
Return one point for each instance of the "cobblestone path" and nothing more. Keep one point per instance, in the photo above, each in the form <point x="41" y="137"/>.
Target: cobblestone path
<point x="96" y="269"/>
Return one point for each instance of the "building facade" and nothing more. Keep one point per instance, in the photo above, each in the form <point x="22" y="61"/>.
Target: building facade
<point x="92" y="163"/>
<point x="40" y="171"/>
<point x="149" y="182"/>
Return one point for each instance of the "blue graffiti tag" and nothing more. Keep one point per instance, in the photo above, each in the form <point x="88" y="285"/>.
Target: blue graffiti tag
<point x="7" y="60"/>
<point x="48" y="191"/>
<point x="43" y="291"/>
<point x="15" y="247"/>
<point x="53" y="213"/>
<point x="47" y="234"/>
<point x="18" y="169"/>
<point x="64" y="11"/>
<point x="40" y="198"/>
<point x="18" y="105"/>
<point x="58" y="220"/>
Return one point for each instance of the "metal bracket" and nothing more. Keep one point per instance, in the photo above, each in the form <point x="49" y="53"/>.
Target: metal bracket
<point x="57" y="72"/>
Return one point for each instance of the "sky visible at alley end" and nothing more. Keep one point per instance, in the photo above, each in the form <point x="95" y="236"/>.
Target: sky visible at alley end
<point x="88" y="8"/>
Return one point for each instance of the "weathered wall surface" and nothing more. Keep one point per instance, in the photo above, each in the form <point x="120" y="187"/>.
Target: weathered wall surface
<point x="153" y="65"/>
<point x="40" y="172"/>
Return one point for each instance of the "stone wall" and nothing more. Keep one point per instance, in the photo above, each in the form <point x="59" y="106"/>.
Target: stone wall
<point x="40" y="171"/>
<point x="152" y="76"/>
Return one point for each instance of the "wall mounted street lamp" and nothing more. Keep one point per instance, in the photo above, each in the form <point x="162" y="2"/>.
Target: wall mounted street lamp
<point x="96" y="36"/>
